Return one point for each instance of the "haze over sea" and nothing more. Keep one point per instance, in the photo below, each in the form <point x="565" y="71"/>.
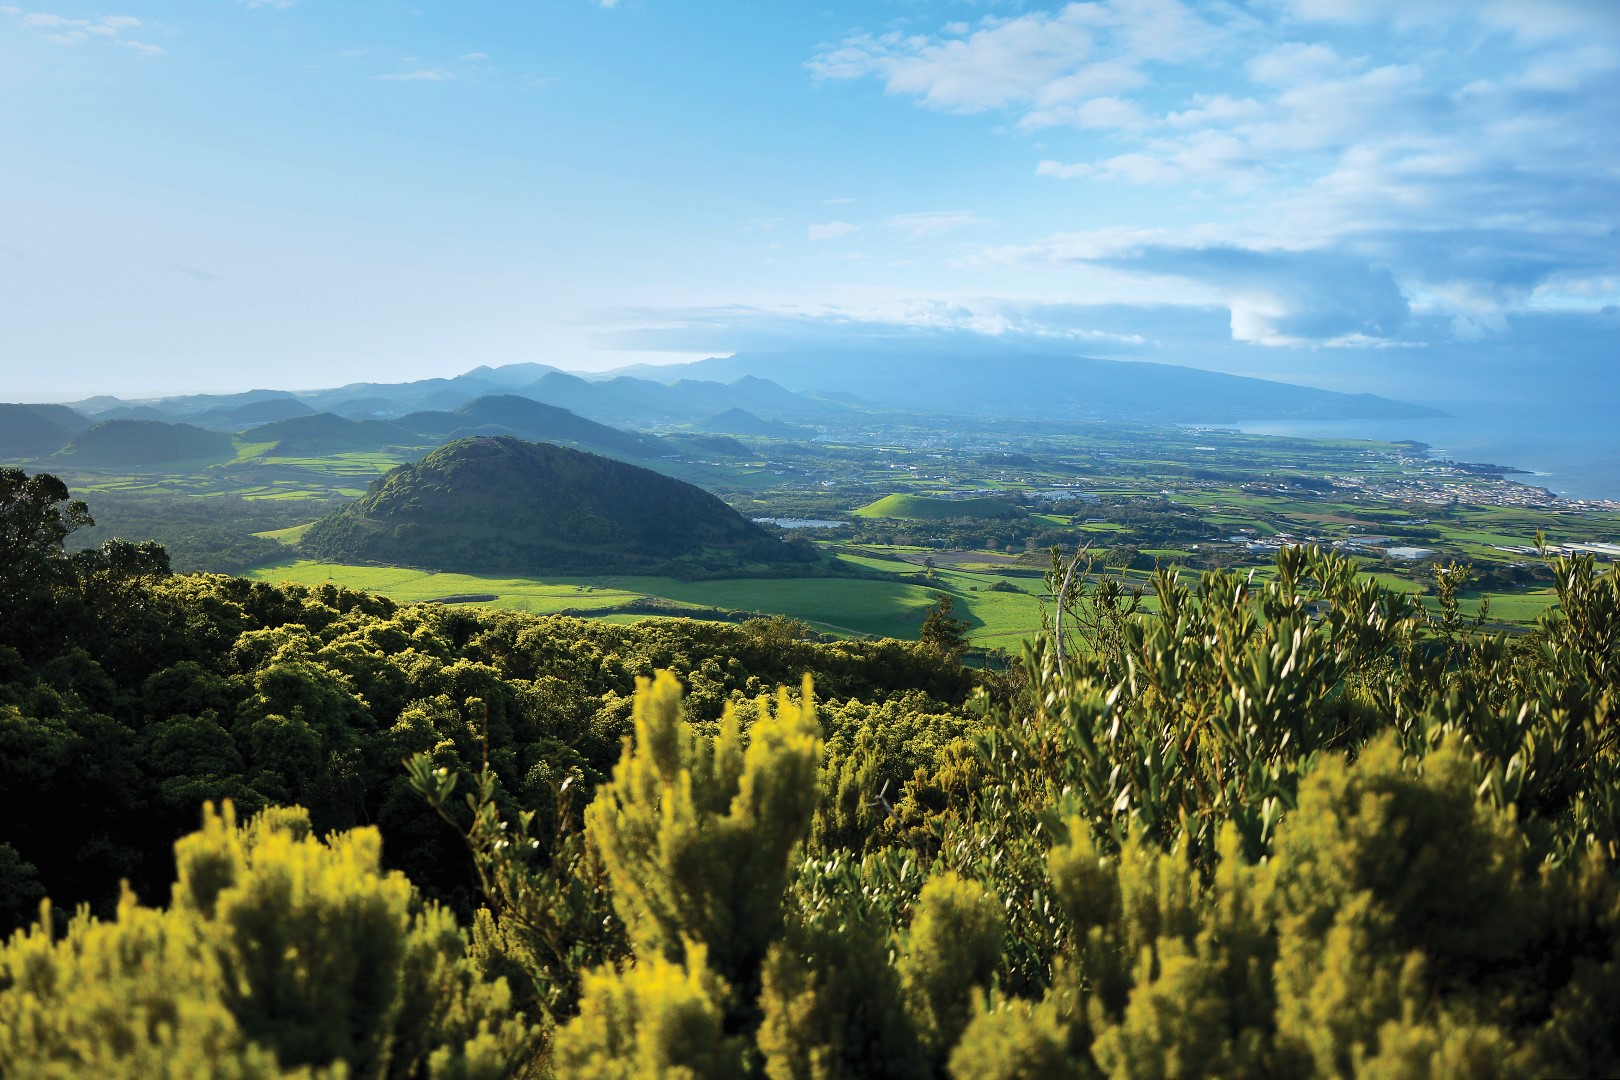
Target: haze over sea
<point x="1571" y="450"/>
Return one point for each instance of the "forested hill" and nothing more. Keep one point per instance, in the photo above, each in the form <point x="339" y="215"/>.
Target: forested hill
<point x="147" y="442"/>
<point x="36" y="430"/>
<point x="502" y="505"/>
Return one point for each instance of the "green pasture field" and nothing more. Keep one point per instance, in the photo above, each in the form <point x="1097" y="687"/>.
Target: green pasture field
<point x="288" y="536"/>
<point x="846" y="606"/>
<point x="926" y="508"/>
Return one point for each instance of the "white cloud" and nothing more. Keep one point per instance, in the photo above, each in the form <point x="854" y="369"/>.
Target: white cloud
<point x="1286" y="297"/>
<point x="1004" y="62"/>
<point x="1060" y="171"/>
<point x="1567" y="71"/>
<point x="1294" y="62"/>
<point x="1215" y="109"/>
<point x="1530" y="20"/>
<point x="831" y="230"/>
<point x="932" y="222"/>
<point x="73" y="31"/>
<point x="472" y="57"/>
<point x="1064" y="67"/>
<point x="1464" y="148"/>
<point x="424" y="75"/>
<point x="906" y="323"/>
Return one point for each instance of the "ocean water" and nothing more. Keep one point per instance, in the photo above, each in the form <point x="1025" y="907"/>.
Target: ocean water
<point x="1569" y="447"/>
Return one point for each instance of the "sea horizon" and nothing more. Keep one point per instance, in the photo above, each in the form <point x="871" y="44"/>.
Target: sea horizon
<point x="1574" y="452"/>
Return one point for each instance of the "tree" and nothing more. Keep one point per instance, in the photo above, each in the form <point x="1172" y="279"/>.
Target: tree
<point x="36" y="517"/>
<point x="942" y="633"/>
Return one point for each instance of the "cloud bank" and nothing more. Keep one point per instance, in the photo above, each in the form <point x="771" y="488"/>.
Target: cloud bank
<point x="1356" y="161"/>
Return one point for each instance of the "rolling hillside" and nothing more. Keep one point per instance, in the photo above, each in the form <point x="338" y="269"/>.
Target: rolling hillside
<point x="743" y="422"/>
<point x="36" y="430"/>
<point x="147" y="442"/>
<point x="325" y="433"/>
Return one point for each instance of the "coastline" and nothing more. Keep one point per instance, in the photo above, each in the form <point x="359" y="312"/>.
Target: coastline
<point x="1573" y="456"/>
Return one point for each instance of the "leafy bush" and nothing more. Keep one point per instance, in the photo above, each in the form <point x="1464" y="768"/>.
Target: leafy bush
<point x="1291" y="828"/>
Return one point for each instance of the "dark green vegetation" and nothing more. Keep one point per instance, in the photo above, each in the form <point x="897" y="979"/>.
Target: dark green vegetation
<point x="148" y="442"/>
<point x="36" y="430"/>
<point x="1286" y="827"/>
<point x="130" y="694"/>
<point x="219" y="533"/>
<point x="501" y="505"/>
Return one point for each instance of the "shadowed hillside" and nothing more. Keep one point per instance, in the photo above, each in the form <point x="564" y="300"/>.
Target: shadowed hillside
<point x="325" y="433"/>
<point x="743" y="422"/>
<point x="148" y="442"/>
<point x="37" y="430"/>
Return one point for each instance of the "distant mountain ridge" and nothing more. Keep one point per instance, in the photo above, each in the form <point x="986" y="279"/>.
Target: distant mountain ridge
<point x="618" y="402"/>
<point x="839" y="390"/>
<point x="506" y="506"/>
<point x="1015" y="385"/>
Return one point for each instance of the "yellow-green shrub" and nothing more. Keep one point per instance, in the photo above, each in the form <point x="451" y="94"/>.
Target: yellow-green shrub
<point x="279" y="954"/>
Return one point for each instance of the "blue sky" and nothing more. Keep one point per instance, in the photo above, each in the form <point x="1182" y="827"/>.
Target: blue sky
<point x="301" y="193"/>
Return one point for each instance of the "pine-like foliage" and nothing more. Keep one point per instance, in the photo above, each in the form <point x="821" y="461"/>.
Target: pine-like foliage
<point x="696" y="835"/>
<point x="279" y="955"/>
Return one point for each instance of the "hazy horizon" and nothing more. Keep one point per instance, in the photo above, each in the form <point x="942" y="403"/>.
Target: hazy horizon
<point x="274" y="192"/>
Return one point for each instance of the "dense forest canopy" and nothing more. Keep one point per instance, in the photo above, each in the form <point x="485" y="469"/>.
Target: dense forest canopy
<point x="1291" y="828"/>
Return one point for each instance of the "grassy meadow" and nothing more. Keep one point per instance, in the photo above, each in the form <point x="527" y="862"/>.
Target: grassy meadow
<point x="851" y="606"/>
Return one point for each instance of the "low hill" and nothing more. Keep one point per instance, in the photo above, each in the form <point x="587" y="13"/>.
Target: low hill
<point x="743" y="422"/>
<point x="699" y="443"/>
<point x="927" y="508"/>
<point x="148" y="442"/>
<point x="267" y="411"/>
<point x="503" y="505"/>
<point x="37" y="430"/>
<point x="325" y="433"/>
